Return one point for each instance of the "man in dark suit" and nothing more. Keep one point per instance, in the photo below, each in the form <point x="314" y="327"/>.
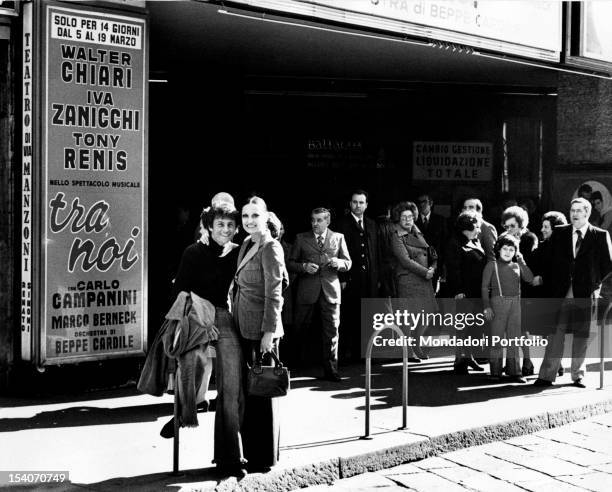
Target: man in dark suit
<point x="581" y="256"/>
<point x="433" y="227"/>
<point x="317" y="256"/>
<point x="361" y="281"/>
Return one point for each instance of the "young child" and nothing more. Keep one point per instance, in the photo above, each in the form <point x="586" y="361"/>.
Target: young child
<point x="501" y="295"/>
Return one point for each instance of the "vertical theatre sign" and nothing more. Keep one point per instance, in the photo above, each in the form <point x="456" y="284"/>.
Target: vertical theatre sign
<point x="26" y="187"/>
<point x="94" y="178"/>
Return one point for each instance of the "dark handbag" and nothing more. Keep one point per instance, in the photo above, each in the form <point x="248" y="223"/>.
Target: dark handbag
<point x="268" y="381"/>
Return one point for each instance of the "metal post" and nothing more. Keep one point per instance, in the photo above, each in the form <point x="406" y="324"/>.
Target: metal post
<point x="175" y="453"/>
<point x="368" y="380"/>
<point x="602" y="334"/>
<point x="404" y="388"/>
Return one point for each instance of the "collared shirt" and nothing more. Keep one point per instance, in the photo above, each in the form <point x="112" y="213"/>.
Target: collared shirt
<point x="323" y="236"/>
<point x="583" y="230"/>
<point x="357" y="220"/>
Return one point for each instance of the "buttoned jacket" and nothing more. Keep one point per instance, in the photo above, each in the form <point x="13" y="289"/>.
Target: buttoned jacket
<point x="306" y="250"/>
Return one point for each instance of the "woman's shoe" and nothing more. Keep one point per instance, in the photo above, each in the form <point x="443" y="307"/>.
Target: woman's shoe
<point x="561" y="371"/>
<point x="474" y="365"/>
<point x="414" y="359"/>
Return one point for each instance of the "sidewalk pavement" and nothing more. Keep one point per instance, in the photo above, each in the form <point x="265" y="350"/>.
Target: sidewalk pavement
<point x="110" y="440"/>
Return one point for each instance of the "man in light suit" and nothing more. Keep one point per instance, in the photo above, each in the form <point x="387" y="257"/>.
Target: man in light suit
<point x="317" y="257"/>
<point x="361" y="236"/>
<point x="580" y="257"/>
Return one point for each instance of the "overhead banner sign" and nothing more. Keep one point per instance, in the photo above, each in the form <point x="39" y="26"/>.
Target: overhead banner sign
<point x="452" y="161"/>
<point x="94" y="185"/>
<point x="525" y="28"/>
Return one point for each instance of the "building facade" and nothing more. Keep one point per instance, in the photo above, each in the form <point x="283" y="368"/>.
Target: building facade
<point x="116" y="115"/>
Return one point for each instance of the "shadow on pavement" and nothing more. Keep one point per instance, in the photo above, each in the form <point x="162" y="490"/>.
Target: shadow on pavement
<point x="451" y="389"/>
<point x="196" y="478"/>
<point x="84" y="416"/>
<point x="50" y="399"/>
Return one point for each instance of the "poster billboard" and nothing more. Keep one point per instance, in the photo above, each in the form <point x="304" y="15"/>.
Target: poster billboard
<point x="452" y="161"/>
<point x="93" y="265"/>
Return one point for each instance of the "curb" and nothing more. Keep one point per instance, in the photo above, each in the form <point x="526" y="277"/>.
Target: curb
<point x="327" y="472"/>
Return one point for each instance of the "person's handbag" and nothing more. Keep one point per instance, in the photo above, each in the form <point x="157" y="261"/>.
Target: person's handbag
<point x="268" y="381"/>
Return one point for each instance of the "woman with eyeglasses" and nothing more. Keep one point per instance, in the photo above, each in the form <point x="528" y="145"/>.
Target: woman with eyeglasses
<point x="414" y="265"/>
<point x="515" y="221"/>
<point x="465" y="262"/>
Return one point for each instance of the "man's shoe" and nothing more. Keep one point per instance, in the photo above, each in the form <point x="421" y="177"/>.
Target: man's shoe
<point x="461" y="370"/>
<point x="238" y="471"/>
<point x="561" y="371"/>
<point x="578" y="383"/>
<point x="517" y="379"/>
<point x="207" y="405"/>
<point x="257" y="468"/>
<point x="542" y="382"/>
<point x="474" y="365"/>
<point x="332" y="376"/>
<point x="167" y="431"/>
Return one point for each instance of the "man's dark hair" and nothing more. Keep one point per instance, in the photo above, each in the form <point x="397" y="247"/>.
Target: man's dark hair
<point x="222" y="212"/>
<point x="467" y="221"/>
<point x="359" y="191"/>
<point x="585" y="188"/>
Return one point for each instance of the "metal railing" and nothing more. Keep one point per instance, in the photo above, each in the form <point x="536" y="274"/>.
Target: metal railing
<point x="368" y="379"/>
<point x="602" y="332"/>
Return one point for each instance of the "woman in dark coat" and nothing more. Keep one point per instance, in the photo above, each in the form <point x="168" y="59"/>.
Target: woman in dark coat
<point x="515" y="221"/>
<point x="414" y="265"/>
<point x="544" y="316"/>
<point x="465" y="262"/>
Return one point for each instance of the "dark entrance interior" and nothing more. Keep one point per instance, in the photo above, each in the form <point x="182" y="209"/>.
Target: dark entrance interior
<point x="301" y="115"/>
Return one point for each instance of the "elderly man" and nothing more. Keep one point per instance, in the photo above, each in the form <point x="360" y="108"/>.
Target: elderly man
<point x="488" y="233"/>
<point x="317" y="256"/>
<point x="582" y="256"/>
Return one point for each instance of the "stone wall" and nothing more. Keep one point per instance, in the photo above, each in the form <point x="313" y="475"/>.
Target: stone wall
<point x="584" y="120"/>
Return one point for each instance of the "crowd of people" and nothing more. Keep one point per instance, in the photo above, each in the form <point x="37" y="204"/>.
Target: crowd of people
<point x="267" y="290"/>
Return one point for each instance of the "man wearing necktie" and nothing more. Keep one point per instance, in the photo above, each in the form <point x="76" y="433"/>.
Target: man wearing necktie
<point x="580" y="257"/>
<point x="361" y="235"/>
<point x="433" y="227"/>
<point x="317" y="257"/>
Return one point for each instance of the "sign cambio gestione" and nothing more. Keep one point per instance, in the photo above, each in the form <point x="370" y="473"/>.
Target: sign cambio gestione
<point x="91" y="283"/>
